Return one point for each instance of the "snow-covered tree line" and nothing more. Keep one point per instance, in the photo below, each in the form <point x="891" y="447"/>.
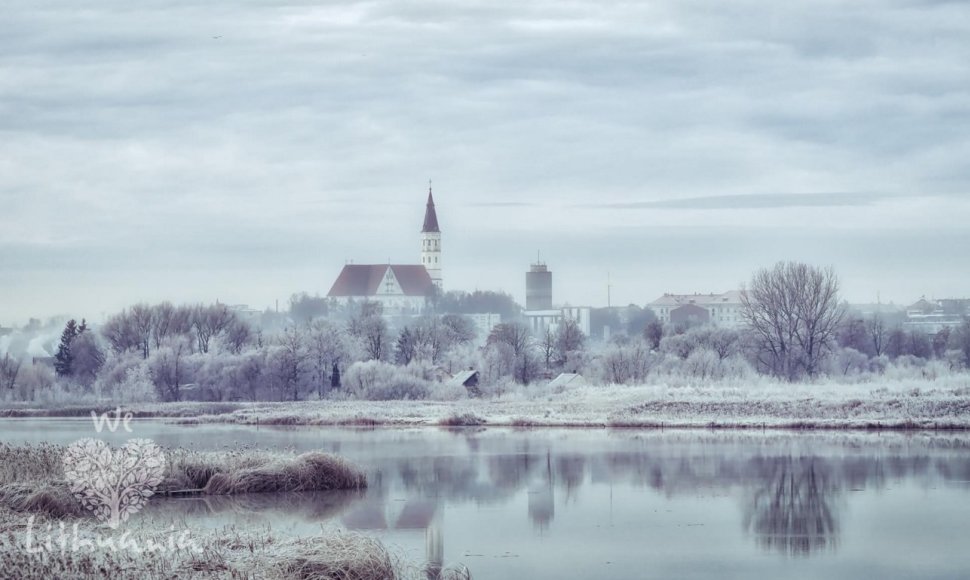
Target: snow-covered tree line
<point x="797" y="330"/>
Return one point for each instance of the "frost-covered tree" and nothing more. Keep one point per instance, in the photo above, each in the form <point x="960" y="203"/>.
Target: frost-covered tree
<point x="167" y="368"/>
<point x="289" y="362"/>
<point x="9" y="371"/>
<point x="88" y="357"/>
<point x="569" y="339"/>
<point x="121" y="333"/>
<point x="517" y="338"/>
<point x="170" y="321"/>
<point x="654" y="333"/>
<point x="625" y="363"/>
<point x="209" y="321"/>
<point x="237" y="335"/>
<point x="876" y="328"/>
<point x="304" y="308"/>
<point x="960" y="341"/>
<point x="794" y="311"/>
<point x="327" y="350"/>
<point x="143" y="321"/>
<point x="406" y="347"/>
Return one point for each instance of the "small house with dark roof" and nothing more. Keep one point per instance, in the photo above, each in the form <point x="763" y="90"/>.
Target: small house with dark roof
<point x="401" y="289"/>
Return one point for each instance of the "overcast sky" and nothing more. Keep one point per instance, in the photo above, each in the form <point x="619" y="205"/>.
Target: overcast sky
<point x="244" y="151"/>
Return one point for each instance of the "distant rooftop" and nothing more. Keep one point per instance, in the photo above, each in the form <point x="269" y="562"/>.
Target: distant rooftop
<point x="730" y="297"/>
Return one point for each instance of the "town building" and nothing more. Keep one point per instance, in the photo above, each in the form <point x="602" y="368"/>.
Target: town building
<point x="691" y="309"/>
<point x="539" y="321"/>
<point x="932" y="316"/>
<point x="538" y="287"/>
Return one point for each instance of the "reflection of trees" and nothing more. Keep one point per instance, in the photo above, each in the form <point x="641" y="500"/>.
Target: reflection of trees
<point x="571" y="470"/>
<point x="309" y="506"/>
<point x="793" y="510"/>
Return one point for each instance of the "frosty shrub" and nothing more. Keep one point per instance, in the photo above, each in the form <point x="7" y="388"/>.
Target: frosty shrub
<point x="879" y="364"/>
<point x="33" y="381"/>
<point x="954" y="359"/>
<point x="115" y="370"/>
<point x="623" y="363"/>
<point x="847" y="361"/>
<point x="137" y="386"/>
<point x="703" y="364"/>
<point x="376" y="380"/>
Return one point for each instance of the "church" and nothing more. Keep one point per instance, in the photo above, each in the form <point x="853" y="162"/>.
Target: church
<point x="401" y="289"/>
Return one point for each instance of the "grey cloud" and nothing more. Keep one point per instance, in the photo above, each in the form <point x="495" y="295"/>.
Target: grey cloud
<point x="129" y="135"/>
<point x="754" y="201"/>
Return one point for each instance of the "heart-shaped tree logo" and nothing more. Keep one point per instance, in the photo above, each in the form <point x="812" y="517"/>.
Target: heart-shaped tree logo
<point x="113" y="484"/>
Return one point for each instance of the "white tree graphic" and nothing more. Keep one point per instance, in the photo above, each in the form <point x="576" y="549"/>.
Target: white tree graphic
<point x="113" y="484"/>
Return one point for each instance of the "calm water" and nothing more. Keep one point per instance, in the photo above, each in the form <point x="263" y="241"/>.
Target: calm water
<point x="613" y="504"/>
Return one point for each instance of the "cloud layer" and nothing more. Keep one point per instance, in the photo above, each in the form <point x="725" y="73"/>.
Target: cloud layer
<point x="244" y="151"/>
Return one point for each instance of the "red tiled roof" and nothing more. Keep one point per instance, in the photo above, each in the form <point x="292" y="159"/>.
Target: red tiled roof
<point x="365" y="280"/>
<point x="430" y="216"/>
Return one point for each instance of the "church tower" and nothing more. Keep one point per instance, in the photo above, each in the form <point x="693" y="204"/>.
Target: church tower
<point x="431" y="242"/>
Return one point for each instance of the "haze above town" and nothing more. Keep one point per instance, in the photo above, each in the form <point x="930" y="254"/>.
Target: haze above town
<point x="187" y="152"/>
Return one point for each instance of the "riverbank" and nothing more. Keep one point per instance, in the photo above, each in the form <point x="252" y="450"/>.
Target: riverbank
<point x="911" y="404"/>
<point x="46" y="532"/>
<point x="44" y="547"/>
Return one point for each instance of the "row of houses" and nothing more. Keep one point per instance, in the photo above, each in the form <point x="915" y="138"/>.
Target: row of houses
<point x="932" y="316"/>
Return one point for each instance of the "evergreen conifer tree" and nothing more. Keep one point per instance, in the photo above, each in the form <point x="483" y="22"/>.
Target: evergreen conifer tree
<point x="63" y="360"/>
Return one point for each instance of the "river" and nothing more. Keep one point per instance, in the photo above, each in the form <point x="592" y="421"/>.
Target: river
<point x="595" y="503"/>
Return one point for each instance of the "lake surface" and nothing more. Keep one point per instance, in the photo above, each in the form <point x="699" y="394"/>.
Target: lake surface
<point x="583" y="503"/>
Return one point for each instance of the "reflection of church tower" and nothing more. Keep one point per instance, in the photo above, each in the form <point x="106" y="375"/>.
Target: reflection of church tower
<point x="431" y="242"/>
<point x="434" y="547"/>
<point x="542" y="500"/>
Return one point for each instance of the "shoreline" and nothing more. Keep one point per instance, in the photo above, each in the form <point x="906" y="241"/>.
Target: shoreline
<point x="896" y="407"/>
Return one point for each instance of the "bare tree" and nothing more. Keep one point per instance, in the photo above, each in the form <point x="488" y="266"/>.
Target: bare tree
<point x="406" y="348"/>
<point x="517" y="338"/>
<point x="9" y="370"/>
<point x="369" y="329"/>
<point x="547" y="346"/>
<point x="143" y="320"/>
<point x="170" y="321"/>
<point x="569" y="339"/>
<point x="326" y="349"/>
<point x="237" y="335"/>
<point x="876" y="329"/>
<point x="209" y="321"/>
<point x="167" y="370"/>
<point x="794" y="311"/>
<point x="460" y="330"/>
<point x="88" y="358"/>
<point x="430" y="339"/>
<point x="960" y="341"/>
<point x="653" y="333"/>
<point x="290" y="362"/>
<point x="121" y="333"/>
<point x="375" y="338"/>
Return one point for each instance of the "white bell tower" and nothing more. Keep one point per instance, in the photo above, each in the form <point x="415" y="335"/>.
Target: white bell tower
<point x="431" y="242"/>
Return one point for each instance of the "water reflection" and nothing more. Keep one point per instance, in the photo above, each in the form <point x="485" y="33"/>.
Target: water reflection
<point x="542" y="499"/>
<point x="792" y="491"/>
<point x="473" y="495"/>
<point x="795" y="510"/>
<point x="307" y="507"/>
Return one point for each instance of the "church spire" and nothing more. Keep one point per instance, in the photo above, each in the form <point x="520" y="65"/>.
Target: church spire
<point x="430" y="216"/>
